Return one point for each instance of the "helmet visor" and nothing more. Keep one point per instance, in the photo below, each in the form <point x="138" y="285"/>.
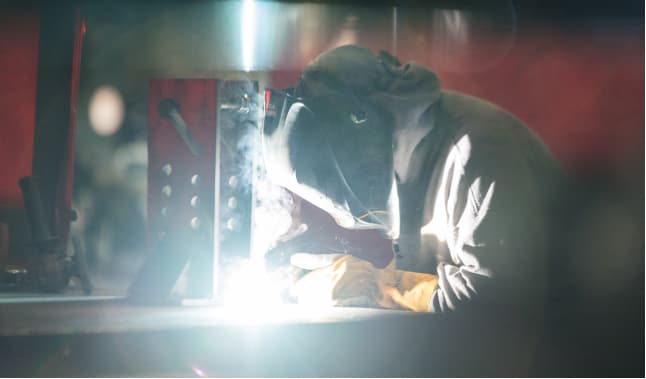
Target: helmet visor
<point x="299" y="155"/>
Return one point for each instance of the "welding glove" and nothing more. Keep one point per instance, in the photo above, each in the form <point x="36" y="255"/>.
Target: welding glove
<point x="339" y="279"/>
<point x="413" y="290"/>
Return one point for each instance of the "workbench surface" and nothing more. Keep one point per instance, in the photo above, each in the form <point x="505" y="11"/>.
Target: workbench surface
<point x="108" y="336"/>
<point x="60" y="315"/>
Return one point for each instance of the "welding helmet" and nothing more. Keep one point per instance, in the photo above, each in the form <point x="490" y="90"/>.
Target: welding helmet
<point x="333" y="151"/>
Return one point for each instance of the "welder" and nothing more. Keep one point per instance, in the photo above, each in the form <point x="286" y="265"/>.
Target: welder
<point x="461" y="187"/>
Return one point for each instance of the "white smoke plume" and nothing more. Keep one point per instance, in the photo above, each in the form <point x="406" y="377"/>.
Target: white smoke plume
<point x="272" y="206"/>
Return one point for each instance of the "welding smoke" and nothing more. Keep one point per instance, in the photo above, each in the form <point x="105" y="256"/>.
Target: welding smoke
<point x="272" y="206"/>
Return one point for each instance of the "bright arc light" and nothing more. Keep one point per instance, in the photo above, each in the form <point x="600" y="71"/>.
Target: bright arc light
<point x="248" y="32"/>
<point x="250" y="287"/>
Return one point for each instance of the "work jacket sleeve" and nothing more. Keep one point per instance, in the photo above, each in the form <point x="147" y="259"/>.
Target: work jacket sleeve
<point x="484" y="212"/>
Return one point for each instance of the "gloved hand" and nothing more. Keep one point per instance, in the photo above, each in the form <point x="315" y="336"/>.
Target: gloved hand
<point x="339" y="279"/>
<point x="413" y="290"/>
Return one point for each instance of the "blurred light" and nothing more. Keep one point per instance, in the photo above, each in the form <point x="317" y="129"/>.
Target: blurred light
<point x="248" y="32"/>
<point x="457" y="26"/>
<point x="273" y="314"/>
<point x="272" y="214"/>
<point x="199" y="372"/>
<point x="394" y="26"/>
<point x="348" y="34"/>
<point x="106" y="111"/>
<point x="249" y="289"/>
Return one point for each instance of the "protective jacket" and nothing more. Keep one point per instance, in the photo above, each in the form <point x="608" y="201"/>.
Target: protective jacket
<point x="474" y="204"/>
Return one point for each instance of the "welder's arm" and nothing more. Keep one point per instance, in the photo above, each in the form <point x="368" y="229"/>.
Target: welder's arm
<point x="475" y="238"/>
<point x="490" y="221"/>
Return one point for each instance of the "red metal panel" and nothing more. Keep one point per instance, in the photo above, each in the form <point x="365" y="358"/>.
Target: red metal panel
<point x="40" y="79"/>
<point x="19" y="30"/>
<point x="170" y="191"/>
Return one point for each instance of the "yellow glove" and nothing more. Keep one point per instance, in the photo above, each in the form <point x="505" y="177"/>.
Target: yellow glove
<point x="338" y="279"/>
<point x="413" y="290"/>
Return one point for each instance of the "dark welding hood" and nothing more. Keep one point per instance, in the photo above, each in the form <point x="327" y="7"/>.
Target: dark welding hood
<point x="300" y="156"/>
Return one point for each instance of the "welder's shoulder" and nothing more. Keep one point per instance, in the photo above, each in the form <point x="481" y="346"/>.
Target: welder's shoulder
<point x="480" y="118"/>
<point x="488" y="135"/>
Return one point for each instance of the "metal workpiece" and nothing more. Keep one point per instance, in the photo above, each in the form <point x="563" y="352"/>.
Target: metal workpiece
<point x="239" y="113"/>
<point x="240" y="102"/>
<point x="200" y="142"/>
<point x="182" y="129"/>
<point x="170" y="109"/>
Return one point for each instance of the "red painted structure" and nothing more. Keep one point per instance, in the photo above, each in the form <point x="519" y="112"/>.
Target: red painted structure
<point x="19" y="29"/>
<point x="181" y="185"/>
<point x="41" y="64"/>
